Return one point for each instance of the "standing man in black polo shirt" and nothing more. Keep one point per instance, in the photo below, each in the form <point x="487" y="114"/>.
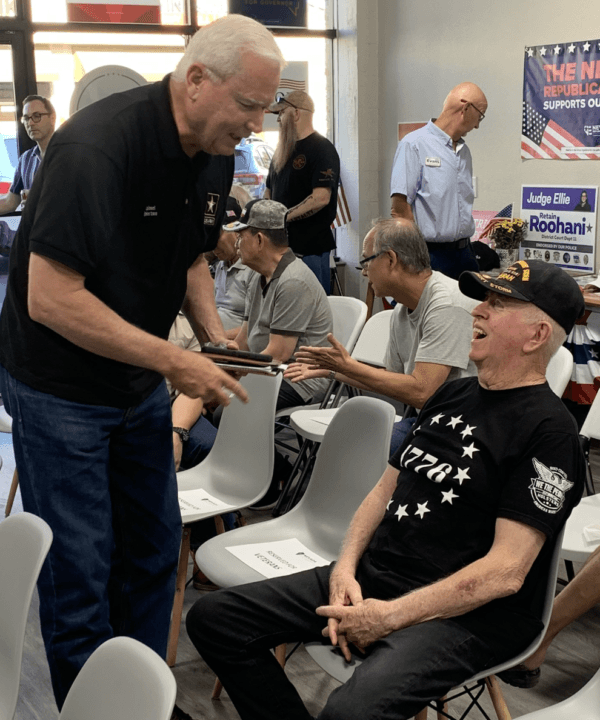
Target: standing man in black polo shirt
<point x="304" y="177"/>
<point x="132" y="191"/>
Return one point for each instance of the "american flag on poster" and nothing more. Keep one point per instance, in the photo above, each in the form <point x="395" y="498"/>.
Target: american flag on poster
<point x="342" y="213"/>
<point x="561" y="102"/>
<point x="132" y="11"/>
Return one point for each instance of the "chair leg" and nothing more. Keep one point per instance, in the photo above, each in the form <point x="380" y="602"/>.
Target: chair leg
<point x="497" y="698"/>
<point x="11" y="494"/>
<point x="179" y="595"/>
<point x="422" y="715"/>
<point x="280" y="654"/>
<point x="217" y="690"/>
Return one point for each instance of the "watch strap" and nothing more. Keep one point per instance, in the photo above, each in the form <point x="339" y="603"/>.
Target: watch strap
<point x="183" y="433"/>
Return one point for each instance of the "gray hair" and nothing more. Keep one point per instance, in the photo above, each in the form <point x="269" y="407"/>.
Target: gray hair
<point x="222" y="44"/>
<point x="406" y="240"/>
<point x="558" y="336"/>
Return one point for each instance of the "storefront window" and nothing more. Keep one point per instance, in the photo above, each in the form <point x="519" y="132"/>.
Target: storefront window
<point x="7" y="8"/>
<point x="62" y="59"/>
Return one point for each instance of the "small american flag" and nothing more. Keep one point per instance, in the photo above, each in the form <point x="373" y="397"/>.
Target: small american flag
<point x="544" y="139"/>
<point x="342" y="213"/>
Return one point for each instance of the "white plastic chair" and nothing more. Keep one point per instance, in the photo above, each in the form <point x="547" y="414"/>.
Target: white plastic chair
<point x="584" y="705"/>
<point x="310" y="422"/>
<point x="122" y="679"/>
<point x="24" y="543"/>
<point x="330" y="659"/>
<point x="349" y="315"/>
<point x="558" y="372"/>
<point x="237" y="471"/>
<point x="5" y="421"/>
<point x="352" y="459"/>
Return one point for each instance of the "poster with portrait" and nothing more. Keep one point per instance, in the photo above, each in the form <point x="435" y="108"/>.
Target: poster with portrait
<point x="561" y="222"/>
<point x="561" y="101"/>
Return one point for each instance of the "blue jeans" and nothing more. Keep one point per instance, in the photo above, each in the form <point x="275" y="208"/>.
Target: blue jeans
<point x="453" y="262"/>
<point x="319" y="264"/>
<point x="104" y="480"/>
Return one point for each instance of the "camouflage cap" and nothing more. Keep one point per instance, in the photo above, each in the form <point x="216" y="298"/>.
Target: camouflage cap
<point x="260" y="214"/>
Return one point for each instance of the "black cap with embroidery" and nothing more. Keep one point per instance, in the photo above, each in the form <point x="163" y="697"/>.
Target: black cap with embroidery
<point x="232" y="211"/>
<point x="535" y="281"/>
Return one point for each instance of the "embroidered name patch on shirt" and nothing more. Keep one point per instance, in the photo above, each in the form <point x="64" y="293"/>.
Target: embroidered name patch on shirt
<point x="433" y="162"/>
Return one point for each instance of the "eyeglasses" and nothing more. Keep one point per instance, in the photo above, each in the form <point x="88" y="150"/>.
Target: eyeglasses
<point x="365" y="262"/>
<point x="34" y="117"/>
<point x="481" y="114"/>
<point x="280" y="97"/>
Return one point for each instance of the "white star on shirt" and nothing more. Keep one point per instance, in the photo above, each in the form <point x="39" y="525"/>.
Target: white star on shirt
<point x="422" y="509"/>
<point x="436" y="419"/>
<point x="529" y="51"/>
<point x="470" y="450"/>
<point x="449" y="496"/>
<point x="456" y="421"/>
<point x="557" y="49"/>
<point x="571" y="48"/>
<point x="401" y="512"/>
<point x="468" y="430"/>
<point x="542" y="51"/>
<point x="387" y="507"/>
<point x="586" y="47"/>
<point x="461" y="475"/>
<point x="594" y="354"/>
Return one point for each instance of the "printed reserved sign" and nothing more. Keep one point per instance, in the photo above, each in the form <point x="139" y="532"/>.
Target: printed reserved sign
<point x="275" y="559"/>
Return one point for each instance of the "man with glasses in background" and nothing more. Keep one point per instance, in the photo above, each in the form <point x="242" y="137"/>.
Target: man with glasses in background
<point x="39" y="118"/>
<point x="304" y="176"/>
<point x="432" y="180"/>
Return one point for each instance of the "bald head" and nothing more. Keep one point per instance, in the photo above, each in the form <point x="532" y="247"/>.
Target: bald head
<point x="464" y="108"/>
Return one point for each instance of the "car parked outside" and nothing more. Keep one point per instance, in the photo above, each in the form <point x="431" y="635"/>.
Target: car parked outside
<point x="252" y="161"/>
<point x="8" y="161"/>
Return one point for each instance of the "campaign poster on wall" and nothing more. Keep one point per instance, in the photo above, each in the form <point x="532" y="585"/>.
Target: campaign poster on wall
<point x="132" y="11"/>
<point x="561" y="222"/>
<point x="561" y="101"/>
<point x="288" y="13"/>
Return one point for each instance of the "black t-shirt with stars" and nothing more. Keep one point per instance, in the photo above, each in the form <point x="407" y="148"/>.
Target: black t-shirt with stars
<point x="475" y="455"/>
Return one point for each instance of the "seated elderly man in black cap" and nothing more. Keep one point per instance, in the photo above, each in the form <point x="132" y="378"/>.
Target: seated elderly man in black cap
<point x="440" y="573"/>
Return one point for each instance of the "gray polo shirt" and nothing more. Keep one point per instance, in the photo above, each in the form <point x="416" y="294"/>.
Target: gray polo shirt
<point x="438" y="330"/>
<point x="293" y="302"/>
<point x="231" y="289"/>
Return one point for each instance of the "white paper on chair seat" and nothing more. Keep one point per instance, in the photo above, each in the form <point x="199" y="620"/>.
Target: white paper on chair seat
<point x="192" y="502"/>
<point x="592" y="533"/>
<point x="327" y="420"/>
<point x="275" y="559"/>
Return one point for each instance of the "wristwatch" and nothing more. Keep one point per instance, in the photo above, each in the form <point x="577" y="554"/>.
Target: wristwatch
<point x="183" y="433"/>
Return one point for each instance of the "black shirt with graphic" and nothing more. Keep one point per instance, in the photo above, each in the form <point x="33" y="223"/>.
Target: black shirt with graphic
<point x="314" y="163"/>
<point x="475" y="455"/>
<point x="117" y="200"/>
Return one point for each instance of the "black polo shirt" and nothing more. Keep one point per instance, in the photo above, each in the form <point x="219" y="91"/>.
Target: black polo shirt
<point x="117" y="200"/>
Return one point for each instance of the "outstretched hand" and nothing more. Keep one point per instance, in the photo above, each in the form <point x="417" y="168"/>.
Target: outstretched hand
<point x="334" y="358"/>
<point x="296" y="372"/>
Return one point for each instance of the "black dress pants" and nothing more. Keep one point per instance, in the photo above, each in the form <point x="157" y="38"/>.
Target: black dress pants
<point x="234" y="630"/>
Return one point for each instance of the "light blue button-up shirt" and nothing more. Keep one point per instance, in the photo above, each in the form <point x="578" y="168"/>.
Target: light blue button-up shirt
<point x="437" y="182"/>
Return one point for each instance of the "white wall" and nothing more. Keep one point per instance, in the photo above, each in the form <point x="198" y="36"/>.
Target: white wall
<point x="428" y="46"/>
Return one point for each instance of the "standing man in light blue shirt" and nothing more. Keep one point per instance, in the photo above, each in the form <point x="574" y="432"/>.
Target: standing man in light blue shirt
<point x="432" y="180"/>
